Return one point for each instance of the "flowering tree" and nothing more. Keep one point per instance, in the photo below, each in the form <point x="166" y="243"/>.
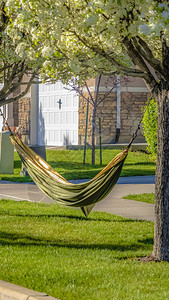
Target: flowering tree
<point x="133" y="38"/>
<point x="130" y="37"/>
<point x="12" y="67"/>
<point x="23" y="56"/>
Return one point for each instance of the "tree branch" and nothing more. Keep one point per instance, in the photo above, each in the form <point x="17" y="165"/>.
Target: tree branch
<point x="10" y="83"/>
<point x="147" y="54"/>
<point x="4" y="20"/>
<point x="77" y="89"/>
<point x="139" y="61"/>
<point x="120" y="68"/>
<point x="19" y="96"/>
<point x="106" y="95"/>
<point x="165" y="54"/>
<point x="91" y="97"/>
<point x="97" y="89"/>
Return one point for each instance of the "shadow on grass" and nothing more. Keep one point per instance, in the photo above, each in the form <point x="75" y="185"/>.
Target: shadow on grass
<point x="73" y="165"/>
<point x="17" y="164"/>
<point x="21" y="179"/>
<point x="148" y="241"/>
<point x="22" y="240"/>
<point x="76" y="171"/>
<point x="140" y="164"/>
<point x="136" y="172"/>
<point x="78" y="218"/>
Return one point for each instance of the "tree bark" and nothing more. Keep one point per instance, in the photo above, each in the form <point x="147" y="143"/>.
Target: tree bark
<point x="161" y="235"/>
<point x="93" y="135"/>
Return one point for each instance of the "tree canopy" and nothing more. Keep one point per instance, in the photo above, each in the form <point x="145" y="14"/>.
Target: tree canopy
<point x="127" y="36"/>
<point x="89" y="37"/>
<point x="86" y="38"/>
<point x="23" y="56"/>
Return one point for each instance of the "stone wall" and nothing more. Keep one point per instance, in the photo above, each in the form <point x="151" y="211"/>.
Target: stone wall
<point x="24" y="118"/>
<point x="107" y="108"/>
<point x="82" y="120"/>
<point x="18" y="113"/>
<point x="132" y="104"/>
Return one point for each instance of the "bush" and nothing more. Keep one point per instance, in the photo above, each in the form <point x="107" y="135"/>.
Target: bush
<point x="150" y="126"/>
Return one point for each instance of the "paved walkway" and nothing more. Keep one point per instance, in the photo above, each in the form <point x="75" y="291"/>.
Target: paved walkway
<point x="113" y="203"/>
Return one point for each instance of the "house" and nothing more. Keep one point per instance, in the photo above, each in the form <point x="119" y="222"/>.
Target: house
<point x="52" y="115"/>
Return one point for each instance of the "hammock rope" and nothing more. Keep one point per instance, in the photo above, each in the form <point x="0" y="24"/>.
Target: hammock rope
<point x="84" y="195"/>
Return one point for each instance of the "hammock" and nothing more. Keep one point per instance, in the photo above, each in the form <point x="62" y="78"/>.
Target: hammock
<point x="84" y="195"/>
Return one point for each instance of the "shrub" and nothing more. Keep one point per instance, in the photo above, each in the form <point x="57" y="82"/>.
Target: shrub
<point x="150" y="126"/>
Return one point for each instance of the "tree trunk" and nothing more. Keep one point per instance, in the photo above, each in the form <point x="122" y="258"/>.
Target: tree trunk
<point x="161" y="235"/>
<point x="93" y="135"/>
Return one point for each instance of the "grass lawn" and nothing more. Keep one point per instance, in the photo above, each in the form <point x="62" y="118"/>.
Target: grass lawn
<point x="56" y="250"/>
<point x="69" y="163"/>
<point x="146" y="197"/>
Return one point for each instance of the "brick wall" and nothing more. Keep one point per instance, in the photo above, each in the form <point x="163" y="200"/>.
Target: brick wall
<point x="24" y="118"/>
<point x="107" y="108"/>
<point x="108" y="119"/>
<point x="132" y="104"/>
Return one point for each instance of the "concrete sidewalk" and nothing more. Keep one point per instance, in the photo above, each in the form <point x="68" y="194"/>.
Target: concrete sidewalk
<point x="113" y="203"/>
<point x="150" y="179"/>
<point x="9" y="291"/>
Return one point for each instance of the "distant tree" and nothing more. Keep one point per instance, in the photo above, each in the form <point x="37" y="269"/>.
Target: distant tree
<point x="95" y="98"/>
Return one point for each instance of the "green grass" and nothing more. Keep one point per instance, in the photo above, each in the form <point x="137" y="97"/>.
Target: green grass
<point x="56" y="250"/>
<point x="146" y="197"/>
<point x="69" y="163"/>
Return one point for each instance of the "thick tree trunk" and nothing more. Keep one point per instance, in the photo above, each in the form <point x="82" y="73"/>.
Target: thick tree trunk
<point x="161" y="235"/>
<point x="93" y="135"/>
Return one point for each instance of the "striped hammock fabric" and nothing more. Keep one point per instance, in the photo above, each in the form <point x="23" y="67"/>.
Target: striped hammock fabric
<point x="84" y="195"/>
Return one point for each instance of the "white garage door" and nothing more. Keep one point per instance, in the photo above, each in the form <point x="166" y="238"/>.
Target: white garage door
<point x="58" y="115"/>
